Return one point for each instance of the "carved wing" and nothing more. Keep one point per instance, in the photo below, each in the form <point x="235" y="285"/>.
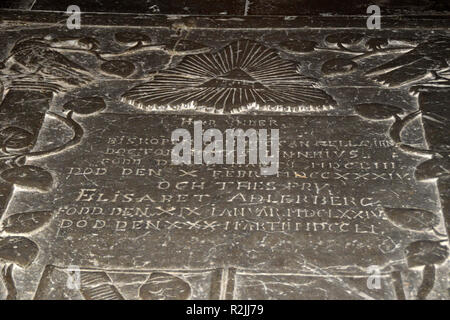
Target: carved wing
<point x="40" y="58"/>
<point x="414" y="65"/>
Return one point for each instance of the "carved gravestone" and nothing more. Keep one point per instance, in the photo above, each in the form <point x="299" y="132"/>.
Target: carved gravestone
<point x="92" y="206"/>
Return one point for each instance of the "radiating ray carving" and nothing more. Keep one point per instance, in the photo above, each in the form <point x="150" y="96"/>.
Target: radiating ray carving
<point x="245" y="75"/>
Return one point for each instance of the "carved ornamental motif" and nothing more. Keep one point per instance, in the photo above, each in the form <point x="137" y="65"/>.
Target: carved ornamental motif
<point x="242" y="76"/>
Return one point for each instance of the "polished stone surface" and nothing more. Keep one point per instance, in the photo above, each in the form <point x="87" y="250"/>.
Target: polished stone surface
<point x="93" y="208"/>
<point x="238" y="7"/>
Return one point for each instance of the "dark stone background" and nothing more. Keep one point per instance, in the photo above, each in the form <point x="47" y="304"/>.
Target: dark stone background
<point x="237" y="7"/>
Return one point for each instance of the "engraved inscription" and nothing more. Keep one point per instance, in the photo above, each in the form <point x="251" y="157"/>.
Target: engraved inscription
<point x="331" y="187"/>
